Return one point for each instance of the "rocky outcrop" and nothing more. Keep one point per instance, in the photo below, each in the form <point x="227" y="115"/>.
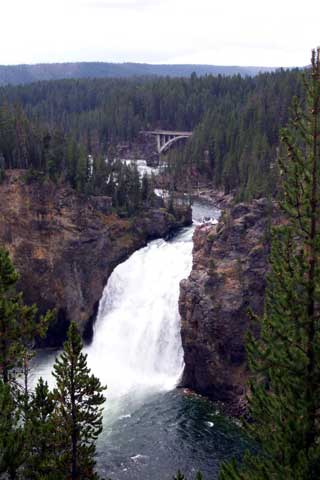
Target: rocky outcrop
<point x="65" y="246"/>
<point x="216" y="197"/>
<point x="227" y="279"/>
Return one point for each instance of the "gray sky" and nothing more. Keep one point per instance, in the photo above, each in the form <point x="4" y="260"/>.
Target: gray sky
<point x="220" y="32"/>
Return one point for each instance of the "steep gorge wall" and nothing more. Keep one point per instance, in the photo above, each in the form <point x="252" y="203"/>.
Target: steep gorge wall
<point x="65" y="246"/>
<point x="228" y="277"/>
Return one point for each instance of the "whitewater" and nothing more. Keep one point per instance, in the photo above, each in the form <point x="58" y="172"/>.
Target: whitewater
<point x="151" y="429"/>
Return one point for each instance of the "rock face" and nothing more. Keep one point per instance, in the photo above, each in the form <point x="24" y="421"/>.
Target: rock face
<point x="227" y="278"/>
<point x="66" y="246"/>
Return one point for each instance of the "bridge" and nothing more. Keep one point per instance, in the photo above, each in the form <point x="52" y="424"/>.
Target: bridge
<point x="166" y="138"/>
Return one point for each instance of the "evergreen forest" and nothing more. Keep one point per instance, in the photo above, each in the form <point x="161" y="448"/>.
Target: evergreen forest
<point x="53" y="126"/>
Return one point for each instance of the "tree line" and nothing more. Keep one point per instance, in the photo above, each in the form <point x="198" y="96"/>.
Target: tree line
<point x="236" y="144"/>
<point x="54" y="126"/>
<point x="19" y="74"/>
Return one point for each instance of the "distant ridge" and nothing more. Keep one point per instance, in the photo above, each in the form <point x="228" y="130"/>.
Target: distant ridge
<point x="21" y="74"/>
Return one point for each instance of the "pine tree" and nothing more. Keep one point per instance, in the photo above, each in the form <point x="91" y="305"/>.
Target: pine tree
<point x="180" y="476"/>
<point x="145" y="189"/>
<point x="78" y="412"/>
<point x="199" y="476"/>
<point x="71" y="161"/>
<point x="134" y="189"/>
<point x="39" y="430"/>
<point x="18" y="328"/>
<point x="82" y="170"/>
<point x="18" y="323"/>
<point x="7" y="135"/>
<point x="8" y="278"/>
<point x="12" y="434"/>
<point x="100" y="176"/>
<point x="285" y="389"/>
<point x="56" y="156"/>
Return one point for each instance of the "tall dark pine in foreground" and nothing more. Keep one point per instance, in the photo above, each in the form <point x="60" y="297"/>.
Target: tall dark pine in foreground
<point x="9" y="334"/>
<point x="78" y="412"/>
<point x="12" y="434"/>
<point x="41" y="459"/>
<point x="18" y="328"/>
<point x="18" y="323"/>
<point x="285" y="361"/>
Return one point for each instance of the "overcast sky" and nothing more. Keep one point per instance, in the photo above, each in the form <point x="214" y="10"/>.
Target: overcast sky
<point x="219" y="32"/>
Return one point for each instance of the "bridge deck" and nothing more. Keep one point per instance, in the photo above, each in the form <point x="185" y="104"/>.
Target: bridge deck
<point x="168" y="132"/>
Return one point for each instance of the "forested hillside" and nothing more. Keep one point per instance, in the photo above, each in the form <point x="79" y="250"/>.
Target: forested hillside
<point x="54" y="126"/>
<point x="19" y="74"/>
<point x="235" y="145"/>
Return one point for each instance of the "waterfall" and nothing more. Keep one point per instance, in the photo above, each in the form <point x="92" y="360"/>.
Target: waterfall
<point x="149" y="430"/>
<point x="137" y="344"/>
<point x="136" y="349"/>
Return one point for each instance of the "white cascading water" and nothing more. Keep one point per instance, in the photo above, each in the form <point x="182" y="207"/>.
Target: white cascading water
<point x="137" y="347"/>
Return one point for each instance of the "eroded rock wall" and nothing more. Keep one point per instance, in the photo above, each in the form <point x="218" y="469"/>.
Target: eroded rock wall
<point x="228" y="278"/>
<point x="66" y="246"/>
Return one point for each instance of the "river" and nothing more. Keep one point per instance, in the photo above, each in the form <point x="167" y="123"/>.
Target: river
<point x="151" y="429"/>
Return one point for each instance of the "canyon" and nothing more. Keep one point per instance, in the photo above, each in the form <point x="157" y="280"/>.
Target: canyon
<point x="66" y="245"/>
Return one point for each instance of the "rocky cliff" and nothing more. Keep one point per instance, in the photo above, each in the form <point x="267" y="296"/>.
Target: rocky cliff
<point x="65" y="246"/>
<point x="227" y="278"/>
